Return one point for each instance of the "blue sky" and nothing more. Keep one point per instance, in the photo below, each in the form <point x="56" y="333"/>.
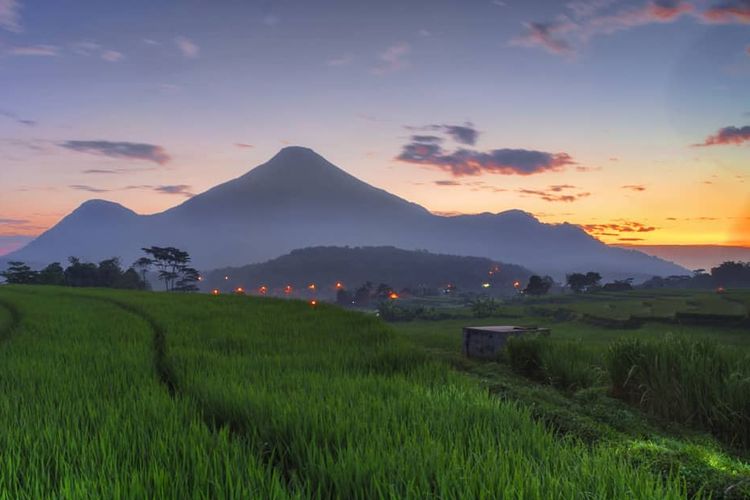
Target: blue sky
<point x="624" y="89"/>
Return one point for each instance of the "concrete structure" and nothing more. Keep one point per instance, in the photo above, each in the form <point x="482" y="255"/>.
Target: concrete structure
<point x="488" y="341"/>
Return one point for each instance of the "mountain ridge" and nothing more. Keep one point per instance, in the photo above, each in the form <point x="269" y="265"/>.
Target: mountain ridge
<point x="298" y="199"/>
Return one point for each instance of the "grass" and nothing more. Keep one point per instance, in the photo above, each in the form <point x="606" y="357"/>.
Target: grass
<point x="123" y="394"/>
<point x="687" y="411"/>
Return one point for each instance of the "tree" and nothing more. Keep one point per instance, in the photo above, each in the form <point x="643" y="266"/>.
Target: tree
<point x="592" y="280"/>
<point x="579" y="282"/>
<point x="143" y="266"/>
<point x="538" y="285"/>
<point x="81" y="274"/>
<point x="174" y="271"/>
<point x="18" y="273"/>
<point x="53" y="274"/>
<point x="362" y="295"/>
<point x="109" y="273"/>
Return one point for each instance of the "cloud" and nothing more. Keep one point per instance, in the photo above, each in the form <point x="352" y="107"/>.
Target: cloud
<point x="112" y="55"/>
<point x="393" y="59"/>
<point x="634" y="187"/>
<point x="100" y="171"/>
<point x="548" y="36"/>
<point x="12" y="222"/>
<point x="343" y="60"/>
<point x="585" y="20"/>
<point x="617" y="228"/>
<point x="555" y="193"/>
<point x="463" y="134"/>
<point x="729" y="11"/>
<point x="467" y="162"/>
<point x="181" y="189"/>
<point x="447" y="183"/>
<point x="727" y="136"/>
<point x="243" y="145"/>
<point x="126" y="150"/>
<point x="13" y="116"/>
<point x="189" y="49"/>
<point x="89" y="189"/>
<point x="33" y="50"/>
<point x="629" y="239"/>
<point x="10" y="15"/>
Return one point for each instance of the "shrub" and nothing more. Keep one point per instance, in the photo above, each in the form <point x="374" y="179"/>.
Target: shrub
<point x="692" y="382"/>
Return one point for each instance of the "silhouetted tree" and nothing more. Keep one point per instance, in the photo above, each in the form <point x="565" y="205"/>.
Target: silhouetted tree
<point x="578" y="282"/>
<point x="53" y="274"/>
<point x="18" y="273"/>
<point x="130" y="280"/>
<point x="143" y="266"/>
<point x="109" y="273"/>
<point x="538" y="285"/>
<point x="174" y="271"/>
<point x="362" y="295"/>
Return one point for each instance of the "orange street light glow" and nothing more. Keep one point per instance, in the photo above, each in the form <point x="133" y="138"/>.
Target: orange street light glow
<point x="339" y="285"/>
<point x="516" y="284"/>
<point x="393" y="296"/>
<point x="214" y="292"/>
<point x="311" y="286"/>
<point x="288" y="289"/>
<point x="313" y="302"/>
<point x="239" y="290"/>
<point x="263" y="290"/>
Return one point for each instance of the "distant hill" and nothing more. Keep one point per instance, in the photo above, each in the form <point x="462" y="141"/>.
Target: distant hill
<point x="298" y="199"/>
<point x="325" y="266"/>
<point x="695" y="256"/>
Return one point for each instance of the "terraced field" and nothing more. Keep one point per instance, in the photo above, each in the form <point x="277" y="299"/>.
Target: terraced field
<point x="141" y="395"/>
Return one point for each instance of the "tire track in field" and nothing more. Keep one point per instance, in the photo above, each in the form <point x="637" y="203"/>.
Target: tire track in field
<point x="214" y="420"/>
<point x="163" y="368"/>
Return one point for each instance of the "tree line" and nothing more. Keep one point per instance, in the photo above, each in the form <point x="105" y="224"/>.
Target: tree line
<point x="171" y="264"/>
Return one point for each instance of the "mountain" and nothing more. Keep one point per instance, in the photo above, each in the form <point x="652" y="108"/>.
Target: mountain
<point x="298" y="199"/>
<point x="326" y="266"/>
<point x="696" y="256"/>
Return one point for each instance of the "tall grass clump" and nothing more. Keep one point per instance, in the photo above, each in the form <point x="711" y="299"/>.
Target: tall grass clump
<point x="566" y="365"/>
<point x="689" y="381"/>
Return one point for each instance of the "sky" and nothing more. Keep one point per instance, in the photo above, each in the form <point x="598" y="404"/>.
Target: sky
<point x="631" y="119"/>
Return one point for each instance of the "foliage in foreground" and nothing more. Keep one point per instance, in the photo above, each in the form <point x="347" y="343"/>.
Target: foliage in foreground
<point x="693" y="382"/>
<point x="151" y="395"/>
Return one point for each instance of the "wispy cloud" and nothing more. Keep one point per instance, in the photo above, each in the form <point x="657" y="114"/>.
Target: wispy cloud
<point x="727" y="136"/>
<point x="394" y="58"/>
<point x="729" y="11"/>
<point x="180" y="189"/>
<point x="176" y="189"/>
<point x="13" y="116"/>
<point x="634" y="187"/>
<point x="10" y="15"/>
<point x="92" y="49"/>
<point x="342" y="60"/>
<point x="33" y="50"/>
<point x="123" y="150"/>
<point x="187" y="47"/>
<point x="468" y="162"/>
<point x="584" y="20"/>
<point x="555" y="193"/>
<point x="617" y="228"/>
<point x="243" y="145"/>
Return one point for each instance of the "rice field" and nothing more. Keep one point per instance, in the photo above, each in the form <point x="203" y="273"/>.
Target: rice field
<point x="144" y="395"/>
